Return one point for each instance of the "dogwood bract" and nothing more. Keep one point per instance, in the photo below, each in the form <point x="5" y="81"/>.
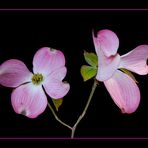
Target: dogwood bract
<point x="122" y="88"/>
<point x="29" y="97"/>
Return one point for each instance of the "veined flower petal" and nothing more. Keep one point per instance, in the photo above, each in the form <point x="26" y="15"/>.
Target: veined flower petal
<point x="56" y="89"/>
<point x="46" y="60"/>
<point x="135" y="60"/>
<point x="106" y="65"/>
<point x="14" y="73"/>
<point x="124" y="92"/>
<point x="108" y="41"/>
<point x="59" y="74"/>
<point x="29" y="100"/>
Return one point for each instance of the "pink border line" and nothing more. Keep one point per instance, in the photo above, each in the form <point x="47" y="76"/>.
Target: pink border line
<point x="72" y="9"/>
<point x="78" y="138"/>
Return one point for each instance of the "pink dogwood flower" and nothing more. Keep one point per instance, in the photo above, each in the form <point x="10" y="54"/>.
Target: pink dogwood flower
<point x="29" y="97"/>
<point x="122" y="88"/>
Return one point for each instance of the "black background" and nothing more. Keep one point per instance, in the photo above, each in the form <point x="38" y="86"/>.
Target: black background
<point x="74" y="4"/>
<point x="22" y="33"/>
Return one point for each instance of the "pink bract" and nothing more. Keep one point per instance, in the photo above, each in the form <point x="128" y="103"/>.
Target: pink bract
<point x="123" y="90"/>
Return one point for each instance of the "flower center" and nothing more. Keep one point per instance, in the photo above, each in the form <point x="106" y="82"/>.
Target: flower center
<point x="37" y="79"/>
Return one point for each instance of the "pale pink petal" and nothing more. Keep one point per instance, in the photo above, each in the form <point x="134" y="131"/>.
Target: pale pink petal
<point x="124" y="91"/>
<point x="136" y="60"/>
<point x="59" y="74"/>
<point x="106" y="65"/>
<point x="13" y="73"/>
<point x="29" y="100"/>
<point x="108" y="41"/>
<point x="55" y="88"/>
<point x="46" y="60"/>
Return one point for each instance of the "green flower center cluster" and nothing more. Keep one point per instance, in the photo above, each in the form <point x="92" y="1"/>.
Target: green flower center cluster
<point x="37" y="79"/>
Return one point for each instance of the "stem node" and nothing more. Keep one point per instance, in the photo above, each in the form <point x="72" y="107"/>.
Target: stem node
<point x="85" y="109"/>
